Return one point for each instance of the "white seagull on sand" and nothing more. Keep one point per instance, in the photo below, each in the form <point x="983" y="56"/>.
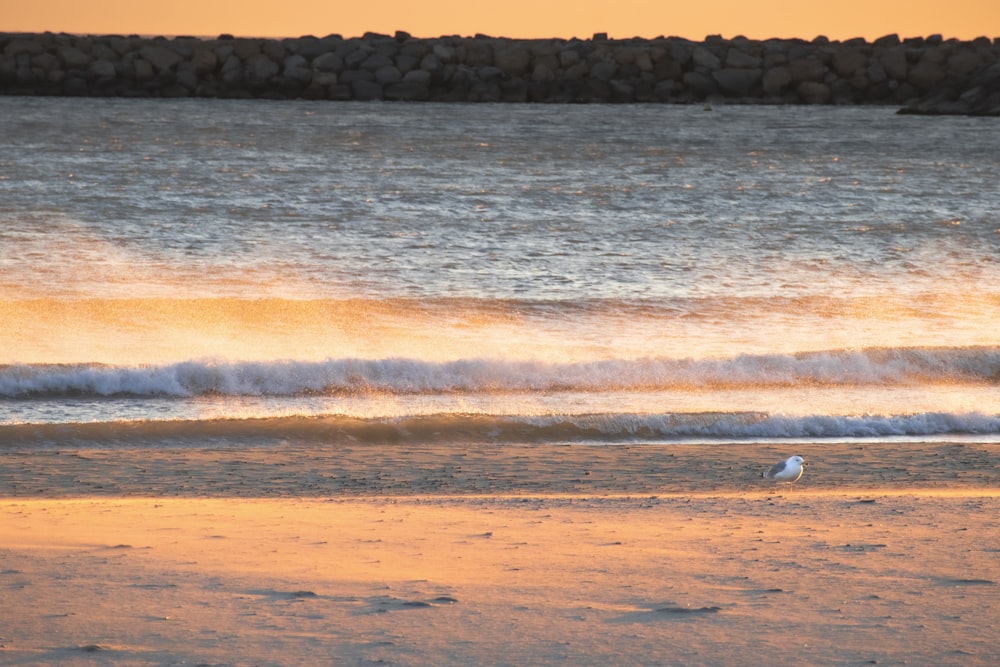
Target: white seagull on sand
<point x="788" y="470"/>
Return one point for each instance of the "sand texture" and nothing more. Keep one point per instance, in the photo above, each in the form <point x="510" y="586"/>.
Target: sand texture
<point x="442" y="555"/>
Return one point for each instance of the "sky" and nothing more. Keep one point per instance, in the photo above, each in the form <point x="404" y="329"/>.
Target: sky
<point x="761" y="19"/>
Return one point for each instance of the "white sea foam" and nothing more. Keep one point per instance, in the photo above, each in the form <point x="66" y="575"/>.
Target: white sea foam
<point x="411" y="376"/>
<point x="461" y="428"/>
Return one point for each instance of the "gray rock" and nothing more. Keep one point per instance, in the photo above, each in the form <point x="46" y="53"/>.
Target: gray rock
<point x="603" y="71"/>
<point x="735" y="58"/>
<point x="963" y="63"/>
<point x="245" y="49"/>
<point x="489" y="73"/>
<point x="274" y="49"/>
<point x="431" y="63"/>
<point x="705" y="59"/>
<point x="444" y="53"/>
<point x="776" y="80"/>
<point x="388" y="74"/>
<point x="894" y="63"/>
<point x="977" y="94"/>
<point x="569" y="57"/>
<point x="187" y="76"/>
<point x="296" y="68"/>
<point x="377" y="61"/>
<point x="260" y="68"/>
<point x="366" y="90"/>
<point x="103" y="69"/>
<point x="160" y="57"/>
<point x="926" y="74"/>
<point x="73" y="58"/>
<point x="700" y="85"/>
<point x="478" y="53"/>
<point x="143" y="70"/>
<point x="513" y="60"/>
<point x="813" y="92"/>
<point x="231" y="73"/>
<point x="543" y="73"/>
<point x="806" y="69"/>
<point x="419" y="76"/>
<point x="405" y="62"/>
<point x="848" y="61"/>
<point x="328" y="62"/>
<point x="737" y="82"/>
<point x="407" y="91"/>
<point x="324" y="79"/>
<point x="204" y="60"/>
<point x="18" y="46"/>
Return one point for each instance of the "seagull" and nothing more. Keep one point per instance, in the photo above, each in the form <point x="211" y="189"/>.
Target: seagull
<point x="788" y="470"/>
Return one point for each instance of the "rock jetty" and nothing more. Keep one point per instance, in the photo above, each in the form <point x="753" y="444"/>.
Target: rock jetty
<point x="888" y="70"/>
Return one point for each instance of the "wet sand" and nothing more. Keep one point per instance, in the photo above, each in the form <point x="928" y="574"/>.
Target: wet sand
<point x="447" y="555"/>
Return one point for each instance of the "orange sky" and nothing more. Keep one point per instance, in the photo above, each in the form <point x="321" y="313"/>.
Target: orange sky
<point x="843" y="19"/>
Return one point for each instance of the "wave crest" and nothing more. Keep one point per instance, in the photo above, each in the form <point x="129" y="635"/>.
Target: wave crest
<point x="883" y="366"/>
<point x="467" y="428"/>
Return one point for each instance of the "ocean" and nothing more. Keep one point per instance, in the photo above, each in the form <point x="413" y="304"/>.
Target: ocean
<point x="178" y="273"/>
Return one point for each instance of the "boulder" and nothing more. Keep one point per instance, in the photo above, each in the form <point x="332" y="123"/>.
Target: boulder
<point x="736" y="58"/>
<point x="977" y="94"/>
<point x="894" y="63"/>
<point x="478" y="53"/>
<point x="204" y="60"/>
<point x="231" y="73"/>
<point x="388" y="74"/>
<point x="377" y="61"/>
<point x="296" y="68"/>
<point x="813" y="92"/>
<point x="245" y="49"/>
<point x="16" y="47"/>
<point x="543" y="73"/>
<point x="366" y="90"/>
<point x="603" y="71"/>
<point x="274" y="49"/>
<point x="160" y="57"/>
<point x="405" y="62"/>
<point x="569" y="57"/>
<point x="963" y="62"/>
<point x="73" y="58"/>
<point x="260" y="68"/>
<point x="848" y="61"/>
<point x="328" y="62"/>
<point x="513" y="60"/>
<point x="103" y="69"/>
<point x="926" y="74"/>
<point x="806" y="69"/>
<point x="700" y="85"/>
<point x="420" y="76"/>
<point x="667" y="69"/>
<point x="143" y="70"/>
<point x="407" y="91"/>
<point x="737" y="82"/>
<point x="187" y="76"/>
<point x="444" y="52"/>
<point x="705" y="59"/>
<point x="776" y="80"/>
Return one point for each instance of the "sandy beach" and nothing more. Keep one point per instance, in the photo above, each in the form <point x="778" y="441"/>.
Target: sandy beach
<point x="439" y="555"/>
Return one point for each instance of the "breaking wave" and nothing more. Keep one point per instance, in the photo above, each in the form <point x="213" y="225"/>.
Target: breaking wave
<point x="881" y="366"/>
<point x="507" y="429"/>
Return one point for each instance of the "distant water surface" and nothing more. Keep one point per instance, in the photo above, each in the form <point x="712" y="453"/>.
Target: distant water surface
<point x="514" y="273"/>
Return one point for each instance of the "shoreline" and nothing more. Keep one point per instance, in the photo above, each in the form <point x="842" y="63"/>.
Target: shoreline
<point x="350" y="469"/>
<point x="926" y="75"/>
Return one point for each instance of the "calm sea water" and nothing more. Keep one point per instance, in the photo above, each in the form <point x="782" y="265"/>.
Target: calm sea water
<point x="178" y="272"/>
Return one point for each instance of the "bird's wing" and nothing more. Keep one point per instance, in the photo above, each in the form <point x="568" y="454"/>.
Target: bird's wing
<point x="776" y="468"/>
